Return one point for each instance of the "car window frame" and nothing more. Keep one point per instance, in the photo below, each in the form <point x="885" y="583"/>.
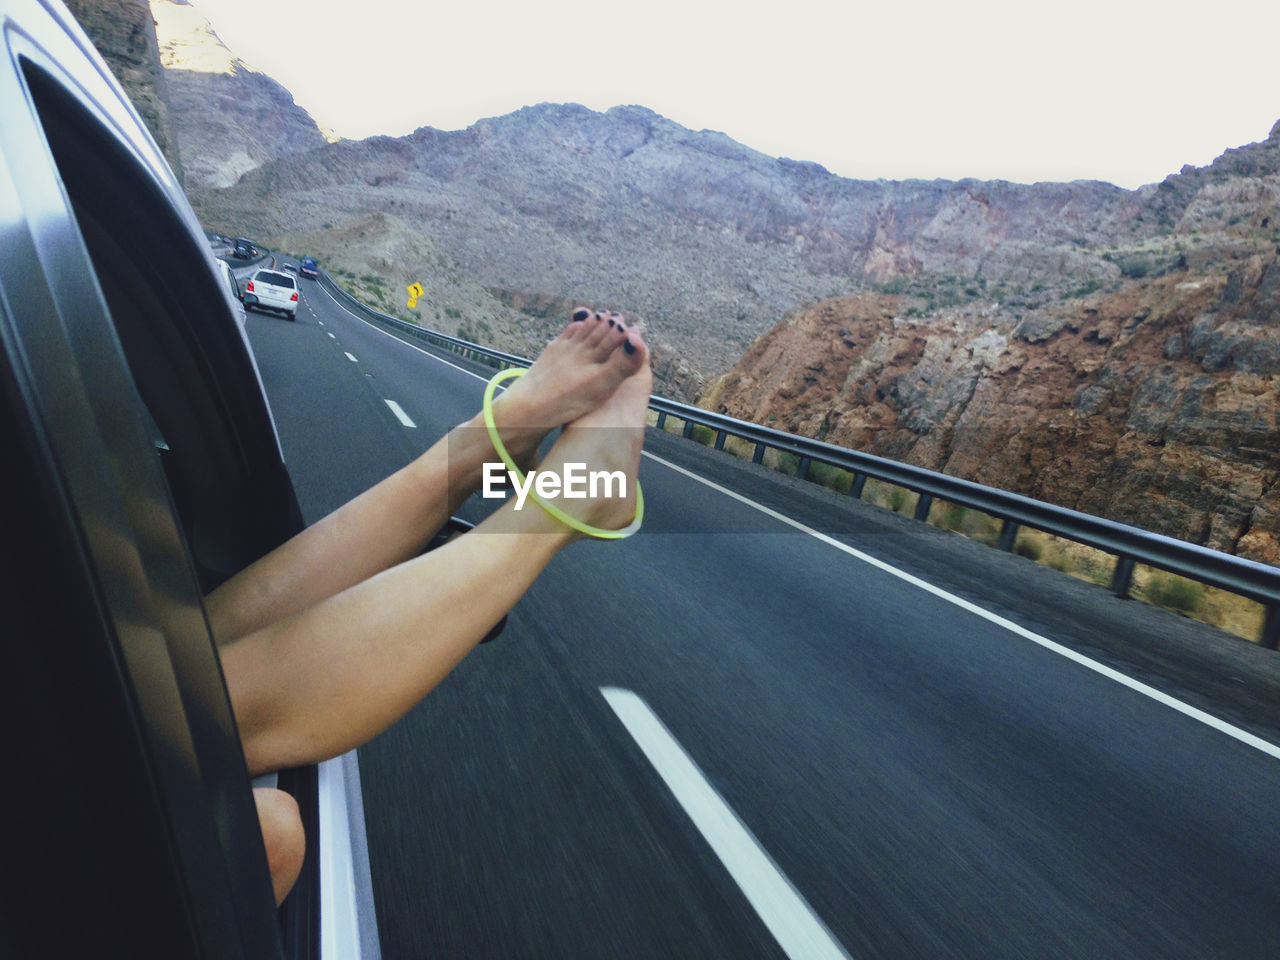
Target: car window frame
<point x="62" y="328"/>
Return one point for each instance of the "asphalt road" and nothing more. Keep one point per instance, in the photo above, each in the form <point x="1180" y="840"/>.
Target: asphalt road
<point x="932" y="767"/>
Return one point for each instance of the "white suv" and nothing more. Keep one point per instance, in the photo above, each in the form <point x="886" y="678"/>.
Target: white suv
<point x="273" y="290"/>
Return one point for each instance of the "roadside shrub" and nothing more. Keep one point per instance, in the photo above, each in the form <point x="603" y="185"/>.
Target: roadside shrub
<point x="897" y="499"/>
<point x="1057" y="558"/>
<point x="1031" y="549"/>
<point x="952" y="518"/>
<point x="1174" y="593"/>
<point x="1135" y="268"/>
<point x="831" y="477"/>
<point x="703" y="435"/>
<point x="1090" y="286"/>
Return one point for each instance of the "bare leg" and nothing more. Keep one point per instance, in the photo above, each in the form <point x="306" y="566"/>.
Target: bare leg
<point x="336" y="674"/>
<point x="394" y="520"/>
<point x="283" y="837"/>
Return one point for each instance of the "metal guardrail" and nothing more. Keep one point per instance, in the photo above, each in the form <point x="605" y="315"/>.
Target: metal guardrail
<point x="473" y="351"/>
<point x="1130" y="545"/>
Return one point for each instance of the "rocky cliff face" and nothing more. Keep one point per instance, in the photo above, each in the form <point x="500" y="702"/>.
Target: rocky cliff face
<point x="229" y="119"/>
<point x="124" y="33"/>
<point x="1153" y="400"/>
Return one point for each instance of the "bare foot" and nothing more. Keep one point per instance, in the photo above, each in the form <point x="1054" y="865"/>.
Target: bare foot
<point x="607" y="439"/>
<point x="574" y="374"/>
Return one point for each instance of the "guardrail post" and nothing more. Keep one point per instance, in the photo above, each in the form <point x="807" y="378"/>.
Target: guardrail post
<point x="662" y="419"/>
<point x="855" y="488"/>
<point x="758" y="456"/>
<point x="1008" y="536"/>
<point x="802" y="468"/>
<point x="923" y="506"/>
<point x="688" y="429"/>
<point x="1123" y="577"/>
<point x="720" y="435"/>
<point x="1271" y="627"/>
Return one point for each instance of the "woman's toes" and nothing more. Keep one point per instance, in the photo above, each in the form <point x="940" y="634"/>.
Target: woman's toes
<point x="599" y="331"/>
<point x="634" y="352"/>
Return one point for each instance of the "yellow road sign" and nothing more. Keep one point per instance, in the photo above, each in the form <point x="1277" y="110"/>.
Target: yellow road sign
<point x="413" y="303"/>
<point x="416" y="291"/>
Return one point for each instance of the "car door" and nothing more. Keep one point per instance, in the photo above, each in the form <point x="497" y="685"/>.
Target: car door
<point x="141" y="469"/>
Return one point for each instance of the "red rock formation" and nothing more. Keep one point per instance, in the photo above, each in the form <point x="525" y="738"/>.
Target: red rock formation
<point x="1155" y="404"/>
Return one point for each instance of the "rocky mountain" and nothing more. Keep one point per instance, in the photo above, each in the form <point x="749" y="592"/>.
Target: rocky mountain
<point x="706" y="240"/>
<point x="1153" y="400"/>
<point x="124" y="33"/>
<point x="228" y="118"/>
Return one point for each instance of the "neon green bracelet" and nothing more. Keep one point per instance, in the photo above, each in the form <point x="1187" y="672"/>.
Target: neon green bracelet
<point x="572" y="522"/>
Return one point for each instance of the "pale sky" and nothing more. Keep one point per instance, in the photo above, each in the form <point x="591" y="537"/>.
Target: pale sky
<point x="1120" y="90"/>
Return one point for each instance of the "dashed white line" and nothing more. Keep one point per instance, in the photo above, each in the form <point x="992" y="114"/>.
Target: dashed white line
<point x="399" y="412"/>
<point x="411" y="346"/>
<point x="786" y="913"/>
<point x="350" y="357"/>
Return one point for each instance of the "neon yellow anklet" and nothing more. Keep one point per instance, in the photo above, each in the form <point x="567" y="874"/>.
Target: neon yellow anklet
<point x="572" y="522"/>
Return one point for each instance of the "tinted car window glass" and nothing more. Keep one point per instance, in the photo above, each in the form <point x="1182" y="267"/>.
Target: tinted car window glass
<point x="172" y="345"/>
<point x="276" y="279"/>
<point x="188" y="359"/>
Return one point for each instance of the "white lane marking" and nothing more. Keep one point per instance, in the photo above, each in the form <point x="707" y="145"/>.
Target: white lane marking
<point x="1185" y="708"/>
<point x="411" y="346"/>
<point x="399" y="412"/>
<point x="350" y="357"/>
<point x="786" y="913"/>
<point x="332" y="337"/>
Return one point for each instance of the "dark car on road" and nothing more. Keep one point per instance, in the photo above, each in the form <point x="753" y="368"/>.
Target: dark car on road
<point x="309" y="268"/>
<point x="243" y="249"/>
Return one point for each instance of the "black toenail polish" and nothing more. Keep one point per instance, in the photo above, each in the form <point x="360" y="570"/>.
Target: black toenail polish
<point x="611" y="321"/>
<point x="581" y="314"/>
<point x="628" y="346"/>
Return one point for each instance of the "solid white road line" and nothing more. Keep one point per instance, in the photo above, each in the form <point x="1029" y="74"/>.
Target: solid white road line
<point x="1185" y="708"/>
<point x="786" y="913"/>
<point x="399" y="412"/>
